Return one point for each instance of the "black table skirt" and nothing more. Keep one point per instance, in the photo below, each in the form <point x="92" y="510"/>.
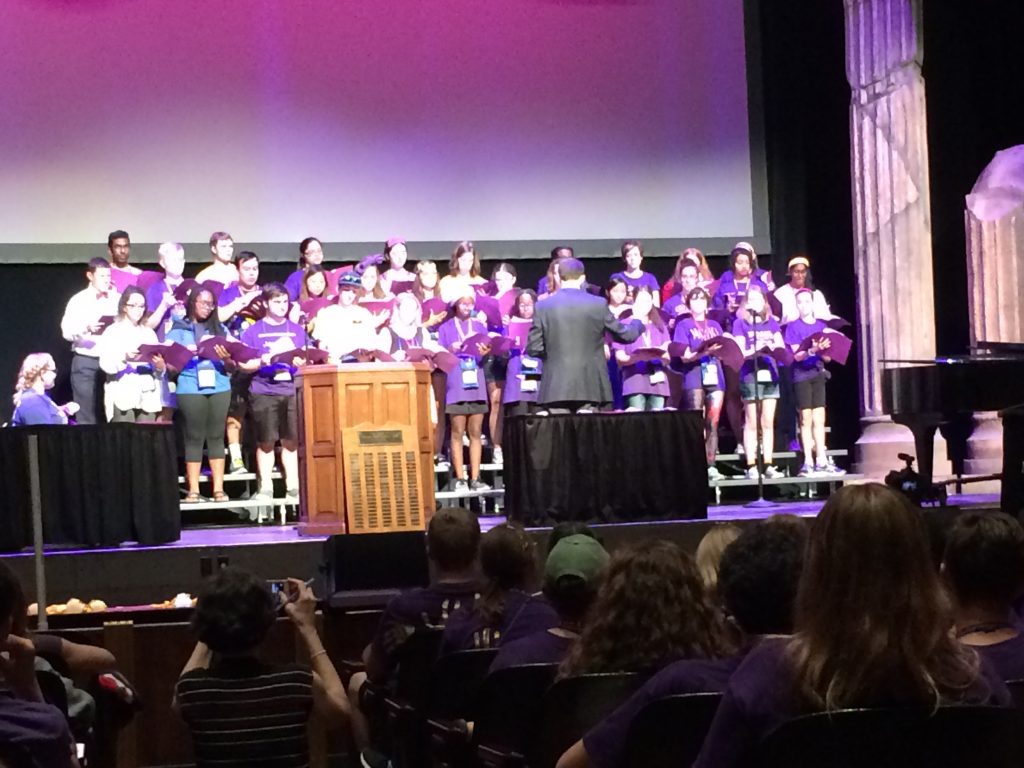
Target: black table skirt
<point x="605" y="468"/>
<point x="100" y="485"/>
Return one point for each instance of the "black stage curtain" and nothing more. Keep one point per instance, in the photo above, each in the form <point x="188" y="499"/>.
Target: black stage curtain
<point x="100" y="485"/>
<point x="1012" y="501"/>
<point x="605" y="468"/>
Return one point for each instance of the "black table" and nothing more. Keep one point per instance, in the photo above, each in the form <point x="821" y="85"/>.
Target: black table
<point x="605" y="467"/>
<point x="100" y="485"/>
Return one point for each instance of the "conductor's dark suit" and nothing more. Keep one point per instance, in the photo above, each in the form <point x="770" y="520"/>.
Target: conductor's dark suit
<point x="568" y="333"/>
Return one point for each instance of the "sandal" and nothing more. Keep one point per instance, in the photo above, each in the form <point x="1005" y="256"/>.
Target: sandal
<point x="192" y="497"/>
<point x="221" y="497"/>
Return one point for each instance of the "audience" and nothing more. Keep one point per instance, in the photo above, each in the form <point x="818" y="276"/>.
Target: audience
<point x="453" y="542"/>
<point x="651" y="611"/>
<point x="240" y="710"/>
<point x="572" y="577"/>
<point x="873" y="629"/>
<point x="759" y="573"/>
<point x="505" y="609"/>
<point x="984" y="570"/>
<point x="710" y="550"/>
<point x="28" y="724"/>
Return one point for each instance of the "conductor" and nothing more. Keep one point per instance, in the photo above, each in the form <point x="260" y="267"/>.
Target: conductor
<point x="568" y="333"/>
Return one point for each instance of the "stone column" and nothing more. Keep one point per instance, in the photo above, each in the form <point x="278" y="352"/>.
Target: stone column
<point x="994" y="221"/>
<point x="891" y="214"/>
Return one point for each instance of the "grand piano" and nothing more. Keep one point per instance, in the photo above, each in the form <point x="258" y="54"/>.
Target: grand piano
<point x="943" y="393"/>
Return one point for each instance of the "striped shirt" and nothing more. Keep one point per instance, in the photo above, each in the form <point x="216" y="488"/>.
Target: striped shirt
<point x="242" y="712"/>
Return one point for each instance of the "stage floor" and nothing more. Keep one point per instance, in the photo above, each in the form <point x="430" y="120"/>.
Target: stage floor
<point x="135" y="575"/>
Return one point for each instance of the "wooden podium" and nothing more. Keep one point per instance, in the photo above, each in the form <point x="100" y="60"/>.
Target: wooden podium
<point x="365" y="448"/>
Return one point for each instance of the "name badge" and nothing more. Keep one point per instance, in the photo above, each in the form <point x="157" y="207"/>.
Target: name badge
<point x="764" y="375"/>
<point x="658" y="377"/>
<point x="527" y="383"/>
<point x="206" y="378"/>
<point x="708" y="375"/>
<point x="469" y="377"/>
<point x="529" y="363"/>
<point x="284" y="375"/>
<point x="148" y="382"/>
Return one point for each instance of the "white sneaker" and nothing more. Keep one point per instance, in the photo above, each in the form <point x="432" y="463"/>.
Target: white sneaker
<point x="292" y="494"/>
<point x="479" y="485"/>
<point x="752" y="473"/>
<point x="461" y="486"/>
<point x="829" y="468"/>
<point x="441" y="463"/>
<point x="497" y="457"/>
<point x="771" y="472"/>
<point x="237" y="467"/>
<point x="714" y="473"/>
<point x="807" y="470"/>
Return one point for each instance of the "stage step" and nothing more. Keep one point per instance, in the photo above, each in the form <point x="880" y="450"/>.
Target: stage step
<point x="841" y="452"/>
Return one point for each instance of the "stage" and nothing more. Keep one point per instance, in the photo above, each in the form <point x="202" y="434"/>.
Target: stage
<point x="135" y="575"/>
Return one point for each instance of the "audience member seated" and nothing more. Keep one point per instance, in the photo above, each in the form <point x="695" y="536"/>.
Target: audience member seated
<point x="240" y="710"/>
<point x="26" y="722"/>
<point x="453" y="541"/>
<point x="709" y="553"/>
<point x="984" y="569"/>
<point x="505" y="609"/>
<point x="873" y="629"/>
<point x="572" y="577"/>
<point x="757" y="580"/>
<point x="652" y="610"/>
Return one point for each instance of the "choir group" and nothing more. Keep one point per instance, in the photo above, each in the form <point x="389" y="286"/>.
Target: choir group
<point x="222" y="345"/>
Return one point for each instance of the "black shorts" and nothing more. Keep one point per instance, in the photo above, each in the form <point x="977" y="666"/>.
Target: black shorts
<point x="467" y="408"/>
<point x="275" y="416"/>
<point x="810" y="393"/>
<point x="239" y="404"/>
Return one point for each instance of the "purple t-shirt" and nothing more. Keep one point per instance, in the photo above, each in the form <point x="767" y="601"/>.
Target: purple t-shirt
<point x="154" y="295"/>
<point x="765" y="335"/>
<point x="293" y="284"/>
<point x="420" y="608"/>
<point x="451" y="331"/>
<point x="760" y="698"/>
<point x="645" y="280"/>
<point x="676" y="306"/>
<point x="539" y="648"/>
<point x="522" y="390"/>
<point x="1007" y="657"/>
<point x="40" y="730"/>
<point x="266" y="336"/>
<point x="729" y="289"/>
<point x="523" y="615"/>
<point x="688" y="332"/>
<point x="646" y="377"/>
<point x="606" y="742"/>
<point x="796" y="332"/>
<point x="235" y="324"/>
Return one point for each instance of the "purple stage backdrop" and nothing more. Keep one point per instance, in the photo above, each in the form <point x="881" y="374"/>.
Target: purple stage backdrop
<point x="506" y="120"/>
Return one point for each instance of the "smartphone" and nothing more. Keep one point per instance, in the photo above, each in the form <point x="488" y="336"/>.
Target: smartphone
<point x="279" y="588"/>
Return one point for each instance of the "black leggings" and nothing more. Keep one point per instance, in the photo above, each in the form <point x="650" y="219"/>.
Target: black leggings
<point x="204" y="417"/>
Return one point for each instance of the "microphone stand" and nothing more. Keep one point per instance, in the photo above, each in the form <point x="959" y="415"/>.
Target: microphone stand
<point x="760" y="502"/>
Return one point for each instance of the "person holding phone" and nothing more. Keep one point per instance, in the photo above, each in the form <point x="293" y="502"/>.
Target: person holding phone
<point x="262" y="715"/>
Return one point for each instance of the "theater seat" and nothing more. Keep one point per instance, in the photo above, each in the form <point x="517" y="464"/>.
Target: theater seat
<point x="455" y="682"/>
<point x="669" y="732"/>
<point x="509" y="713"/>
<point x="950" y="737"/>
<point x="573" y="706"/>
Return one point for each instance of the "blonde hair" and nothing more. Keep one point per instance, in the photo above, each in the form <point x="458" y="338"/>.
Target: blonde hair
<point x="709" y="552"/>
<point x="31" y="370"/>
